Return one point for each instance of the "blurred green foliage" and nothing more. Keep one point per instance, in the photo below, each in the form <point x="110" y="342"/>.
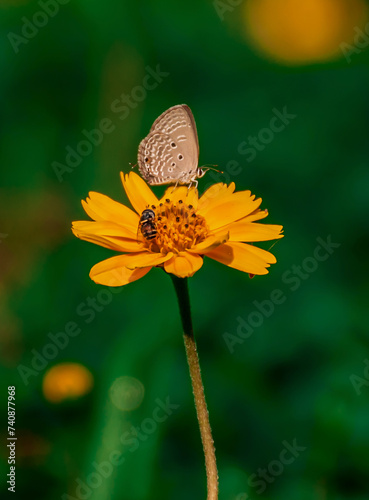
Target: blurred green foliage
<point x="296" y="376"/>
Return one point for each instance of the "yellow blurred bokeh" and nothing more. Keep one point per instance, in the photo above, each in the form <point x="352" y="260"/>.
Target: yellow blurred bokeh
<point x="303" y="31"/>
<point x="66" y="381"/>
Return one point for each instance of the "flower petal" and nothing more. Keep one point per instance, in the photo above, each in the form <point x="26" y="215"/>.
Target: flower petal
<point x="138" y="192"/>
<point x="147" y="259"/>
<point x="256" y="215"/>
<point x="229" y="209"/>
<point x="210" y="243"/>
<point x="214" y="193"/>
<point x="243" y="257"/>
<point x="102" y="208"/>
<point x="104" y="228"/>
<point x="118" y="276"/>
<point x="251" y="231"/>
<point x="107" y="234"/>
<point x="103" y="242"/>
<point x="119" y="270"/>
<point x="183" y="264"/>
<point x="259" y="252"/>
<point x="188" y="196"/>
<point x="89" y="211"/>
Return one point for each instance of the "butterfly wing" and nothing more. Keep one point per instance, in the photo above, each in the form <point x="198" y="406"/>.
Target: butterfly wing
<point x="175" y="120"/>
<point x="170" y="152"/>
<point x="155" y="159"/>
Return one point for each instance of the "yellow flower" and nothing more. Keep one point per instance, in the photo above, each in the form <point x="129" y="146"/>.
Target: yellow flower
<point x="304" y="31"/>
<point x="220" y="225"/>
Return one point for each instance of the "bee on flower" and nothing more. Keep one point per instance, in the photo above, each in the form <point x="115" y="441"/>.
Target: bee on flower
<point x="147" y="224"/>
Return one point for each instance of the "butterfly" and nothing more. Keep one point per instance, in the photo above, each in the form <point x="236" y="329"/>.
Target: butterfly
<point x="170" y="153"/>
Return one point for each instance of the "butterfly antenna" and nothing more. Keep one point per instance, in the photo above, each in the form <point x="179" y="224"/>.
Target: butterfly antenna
<point x="132" y="166"/>
<point x="211" y="167"/>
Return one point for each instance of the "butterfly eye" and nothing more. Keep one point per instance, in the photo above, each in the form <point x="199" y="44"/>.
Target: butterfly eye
<point x="180" y="157"/>
<point x="146" y="159"/>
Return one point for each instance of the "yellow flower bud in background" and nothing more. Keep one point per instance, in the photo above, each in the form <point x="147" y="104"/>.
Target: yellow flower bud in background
<point x="303" y="31"/>
<point x="66" y="381"/>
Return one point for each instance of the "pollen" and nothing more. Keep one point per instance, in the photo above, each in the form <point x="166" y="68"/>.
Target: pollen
<point x="178" y="228"/>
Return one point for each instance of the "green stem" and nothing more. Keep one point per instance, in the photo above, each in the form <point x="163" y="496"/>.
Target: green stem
<point x="181" y="287"/>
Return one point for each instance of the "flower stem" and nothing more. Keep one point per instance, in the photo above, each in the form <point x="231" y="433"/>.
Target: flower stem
<point x="181" y="287"/>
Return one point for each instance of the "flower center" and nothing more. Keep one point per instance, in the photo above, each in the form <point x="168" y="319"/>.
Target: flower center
<point x="178" y="227"/>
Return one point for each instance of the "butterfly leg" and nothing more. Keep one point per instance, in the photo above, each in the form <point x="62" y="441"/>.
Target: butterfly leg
<point x="180" y="181"/>
<point x="175" y="186"/>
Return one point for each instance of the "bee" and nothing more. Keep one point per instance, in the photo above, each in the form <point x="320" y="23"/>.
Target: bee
<point x="147" y="224"/>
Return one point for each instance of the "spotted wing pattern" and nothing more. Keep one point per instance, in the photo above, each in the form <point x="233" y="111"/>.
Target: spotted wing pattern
<point x="169" y="154"/>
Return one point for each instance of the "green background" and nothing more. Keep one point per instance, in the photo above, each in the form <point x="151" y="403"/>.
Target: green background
<point x="292" y="378"/>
